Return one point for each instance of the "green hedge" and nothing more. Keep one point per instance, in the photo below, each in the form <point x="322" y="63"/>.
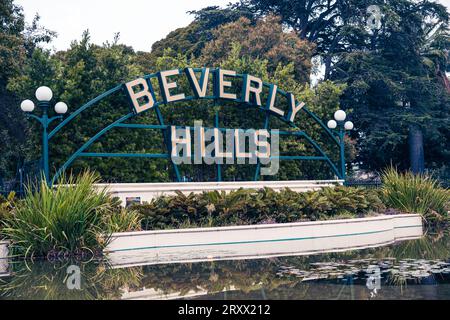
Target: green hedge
<point x="243" y="207"/>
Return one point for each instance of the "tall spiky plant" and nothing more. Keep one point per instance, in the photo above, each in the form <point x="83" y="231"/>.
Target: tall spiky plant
<point x="415" y="193"/>
<point x="65" y="218"/>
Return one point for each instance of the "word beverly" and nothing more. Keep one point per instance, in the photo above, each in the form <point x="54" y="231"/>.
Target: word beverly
<point x="143" y="97"/>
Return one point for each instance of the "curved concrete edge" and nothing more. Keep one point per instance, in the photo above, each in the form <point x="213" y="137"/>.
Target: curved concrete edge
<point x="148" y="191"/>
<point x="3" y="258"/>
<point x="260" y="241"/>
<point x="253" y="241"/>
<point x="4" y="249"/>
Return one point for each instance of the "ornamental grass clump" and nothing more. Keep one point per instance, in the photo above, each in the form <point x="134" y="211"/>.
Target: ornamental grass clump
<point x="415" y="193"/>
<point x="70" y="218"/>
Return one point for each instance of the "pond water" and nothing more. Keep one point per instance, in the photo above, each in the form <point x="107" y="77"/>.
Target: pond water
<point x="415" y="269"/>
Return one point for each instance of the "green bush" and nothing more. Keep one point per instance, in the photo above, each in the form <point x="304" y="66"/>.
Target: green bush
<point x="69" y="218"/>
<point x="123" y="221"/>
<point x="243" y="207"/>
<point x="7" y="205"/>
<point x="415" y="193"/>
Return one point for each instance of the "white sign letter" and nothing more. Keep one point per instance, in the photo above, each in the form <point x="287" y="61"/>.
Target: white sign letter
<point x="166" y="86"/>
<point x="199" y="89"/>
<point x="293" y="107"/>
<point x="255" y="90"/>
<point x="143" y="94"/>
<point x="222" y="83"/>
<point x="271" y="100"/>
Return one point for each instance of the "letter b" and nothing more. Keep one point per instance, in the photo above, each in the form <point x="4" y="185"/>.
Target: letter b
<point x="142" y="100"/>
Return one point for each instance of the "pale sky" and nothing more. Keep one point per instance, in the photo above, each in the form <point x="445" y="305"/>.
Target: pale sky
<point x="140" y="22"/>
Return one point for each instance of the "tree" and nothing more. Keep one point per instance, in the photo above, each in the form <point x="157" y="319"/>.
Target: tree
<point x="76" y="76"/>
<point x="17" y="43"/>
<point x="261" y="48"/>
<point x="332" y="25"/>
<point x="265" y="39"/>
<point x="398" y="90"/>
<point x="190" y="40"/>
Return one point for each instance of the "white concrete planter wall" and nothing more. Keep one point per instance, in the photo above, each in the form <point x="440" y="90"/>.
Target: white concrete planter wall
<point x="3" y="258"/>
<point x="148" y="191"/>
<point x="243" y="242"/>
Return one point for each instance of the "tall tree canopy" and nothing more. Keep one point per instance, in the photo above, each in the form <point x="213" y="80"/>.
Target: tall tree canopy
<point x="390" y="76"/>
<point x="17" y="43"/>
<point x="394" y="71"/>
<point x="398" y="89"/>
<point x="86" y="70"/>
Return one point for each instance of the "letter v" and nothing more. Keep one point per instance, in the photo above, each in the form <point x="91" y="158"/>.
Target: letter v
<point x="199" y="89"/>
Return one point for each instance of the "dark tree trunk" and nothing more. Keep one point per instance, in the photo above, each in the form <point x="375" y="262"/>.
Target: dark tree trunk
<point x="327" y="67"/>
<point x="416" y="154"/>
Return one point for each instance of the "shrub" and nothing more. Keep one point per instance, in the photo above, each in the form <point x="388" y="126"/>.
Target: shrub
<point x="255" y="206"/>
<point x="416" y="193"/>
<point x="7" y="204"/>
<point x="6" y="207"/>
<point x="123" y="221"/>
<point x="68" y="218"/>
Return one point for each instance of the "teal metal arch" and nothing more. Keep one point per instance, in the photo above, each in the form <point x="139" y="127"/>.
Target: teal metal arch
<point x="338" y="138"/>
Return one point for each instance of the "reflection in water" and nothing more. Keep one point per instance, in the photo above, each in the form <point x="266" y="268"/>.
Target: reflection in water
<point x="417" y="269"/>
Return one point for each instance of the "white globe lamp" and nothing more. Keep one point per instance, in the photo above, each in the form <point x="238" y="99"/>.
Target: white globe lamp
<point x="27" y="106"/>
<point x="332" y="124"/>
<point x="44" y="94"/>
<point x="348" y="125"/>
<point x="61" y="108"/>
<point x="340" y="115"/>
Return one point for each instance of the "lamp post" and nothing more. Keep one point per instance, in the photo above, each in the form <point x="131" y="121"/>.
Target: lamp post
<point x="339" y="121"/>
<point x="44" y="95"/>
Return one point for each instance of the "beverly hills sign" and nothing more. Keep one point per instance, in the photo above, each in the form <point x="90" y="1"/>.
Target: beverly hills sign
<point x="204" y="83"/>
<point x="252" y="145"/>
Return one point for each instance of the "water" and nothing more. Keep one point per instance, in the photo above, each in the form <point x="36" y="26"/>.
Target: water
<point x="416" y="269"/>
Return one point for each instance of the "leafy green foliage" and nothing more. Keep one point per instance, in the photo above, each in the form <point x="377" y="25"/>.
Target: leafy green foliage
<point x="70" y="218"/>
<point x="7" y="205"/>
<point x="256" y="206"/>
<point x="123" y="221"/>
<point x="265" y="40"/>
<point x="416" y="193"/>
<point x="77" y="76"/>
<point x="391" y="80"/>
<point x="18" y="41"/>
<point x="396" y="85"/>
<point x="190" y="40"/>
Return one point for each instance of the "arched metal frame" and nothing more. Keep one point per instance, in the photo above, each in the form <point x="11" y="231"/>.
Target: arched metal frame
<point x="120" y="123"/>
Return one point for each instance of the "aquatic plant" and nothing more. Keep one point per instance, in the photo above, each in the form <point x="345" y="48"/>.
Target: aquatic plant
<point x="68" y="218"/>
<point x="415" y="193"/>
